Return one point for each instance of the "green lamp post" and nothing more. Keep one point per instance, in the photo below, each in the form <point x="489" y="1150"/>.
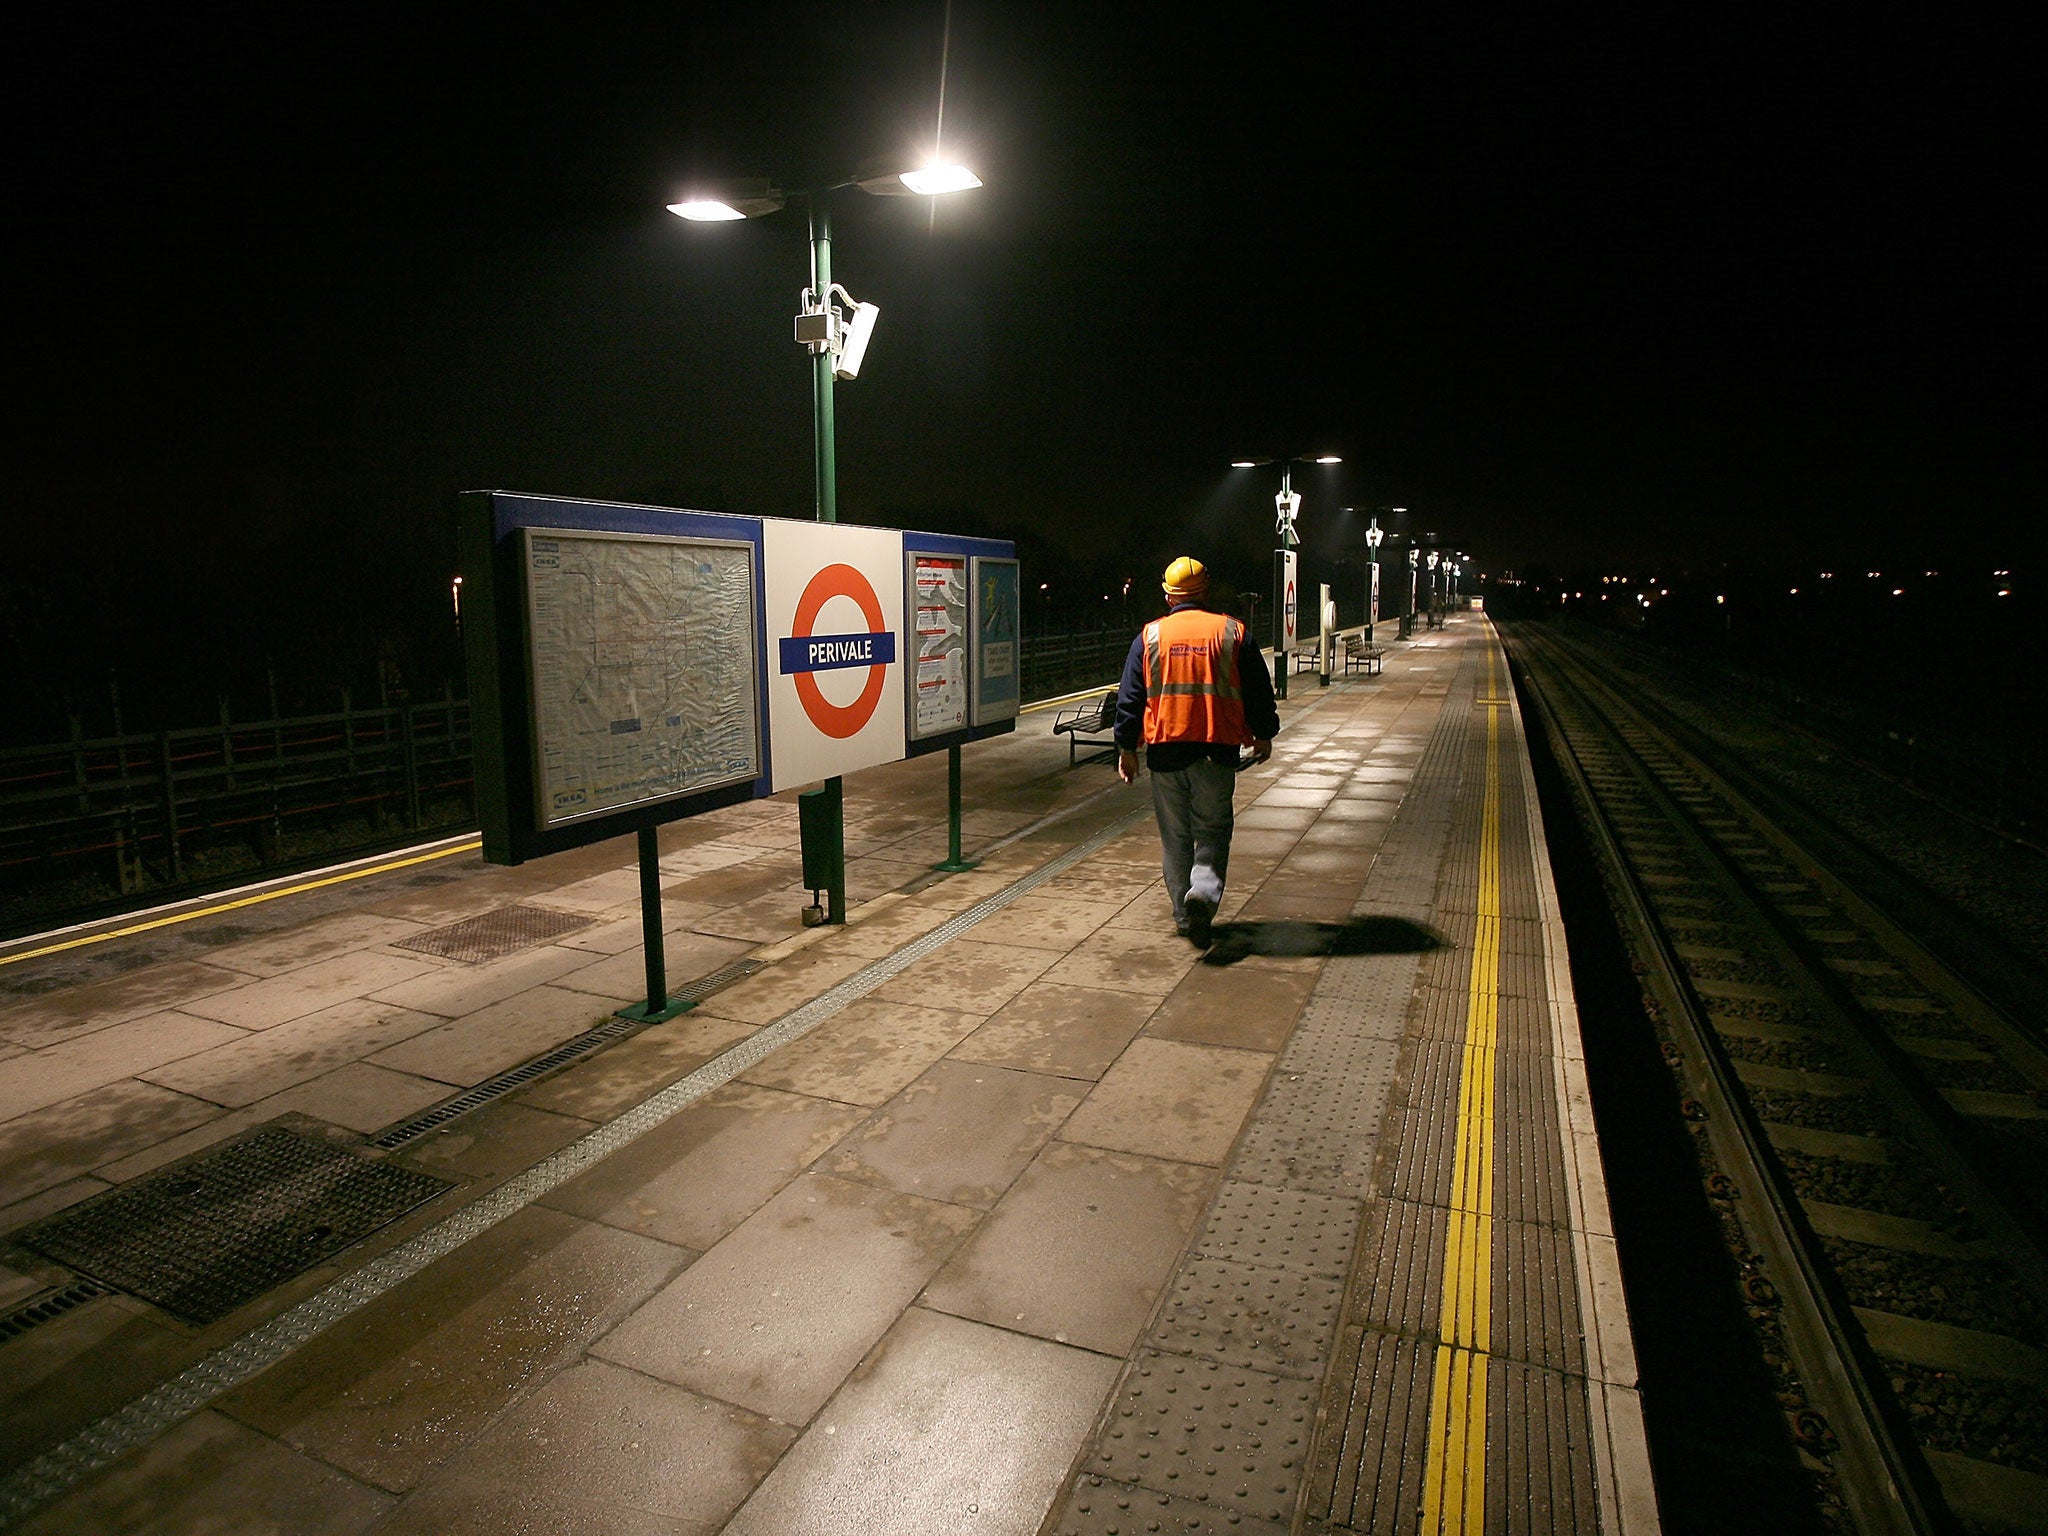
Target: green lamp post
<point x="835" y="328"/>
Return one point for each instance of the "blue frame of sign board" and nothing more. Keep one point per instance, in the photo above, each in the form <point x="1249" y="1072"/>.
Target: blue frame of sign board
<point x="494" y="648"/>
<point x="965" y="548"/>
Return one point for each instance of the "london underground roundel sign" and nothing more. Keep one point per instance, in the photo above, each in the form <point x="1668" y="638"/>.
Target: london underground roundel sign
<point x="806" y="653"/>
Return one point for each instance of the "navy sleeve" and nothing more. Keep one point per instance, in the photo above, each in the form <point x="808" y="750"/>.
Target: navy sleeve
<point x="1130" y="698"/>
<point x="1261" y="714"/>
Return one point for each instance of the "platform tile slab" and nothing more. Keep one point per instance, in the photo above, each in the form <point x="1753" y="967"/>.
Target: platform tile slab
<point x="1227" y="1436"/>
<point x="1100" y="1506"/>
<point x="1268" y="1319"/>
<point x="1279" y="1228"/>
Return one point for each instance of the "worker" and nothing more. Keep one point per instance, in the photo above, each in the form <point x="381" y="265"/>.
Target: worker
<point x="1195" y="693"/>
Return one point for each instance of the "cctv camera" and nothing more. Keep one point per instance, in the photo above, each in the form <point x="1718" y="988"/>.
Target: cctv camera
<point x="854" y="346"/>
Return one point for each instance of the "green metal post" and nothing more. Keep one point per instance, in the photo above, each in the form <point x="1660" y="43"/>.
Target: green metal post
<point x="824" y="443"/>
<point x="657" y="1007"/>
<point x="954" y="863"/>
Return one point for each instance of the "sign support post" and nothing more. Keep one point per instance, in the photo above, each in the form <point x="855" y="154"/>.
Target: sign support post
<point x="954" y="864"/>
<point x="657" y="1008"/>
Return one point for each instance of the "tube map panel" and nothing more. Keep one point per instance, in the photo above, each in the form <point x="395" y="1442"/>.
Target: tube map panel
<point x="642" y="668"/>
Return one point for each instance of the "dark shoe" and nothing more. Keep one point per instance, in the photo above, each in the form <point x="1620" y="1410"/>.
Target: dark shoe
<point x="1201" y="912"/>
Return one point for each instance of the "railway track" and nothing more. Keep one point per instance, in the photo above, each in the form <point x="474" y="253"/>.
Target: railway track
<point x="1872" y="1128"/>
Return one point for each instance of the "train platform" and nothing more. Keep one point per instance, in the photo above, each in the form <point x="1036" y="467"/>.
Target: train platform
<point x="346" y="1204"/>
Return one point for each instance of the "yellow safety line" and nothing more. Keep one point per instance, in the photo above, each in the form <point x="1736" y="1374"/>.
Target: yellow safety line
<point x="244" y="901"/>
<point x="1454" y="1482"/>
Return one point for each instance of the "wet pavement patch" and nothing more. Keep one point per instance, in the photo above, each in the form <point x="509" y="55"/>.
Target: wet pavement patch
<point x="494" y="935"/>
<point x="202" y="1237"/>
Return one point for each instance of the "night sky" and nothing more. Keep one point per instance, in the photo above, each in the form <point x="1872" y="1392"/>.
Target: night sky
<point x="1628" y="286"/>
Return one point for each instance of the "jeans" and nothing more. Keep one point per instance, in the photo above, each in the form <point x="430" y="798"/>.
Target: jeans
<point x="1193" y="805"/>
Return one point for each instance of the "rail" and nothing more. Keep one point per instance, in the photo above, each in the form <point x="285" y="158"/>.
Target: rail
<point x="1859" y="1099"/>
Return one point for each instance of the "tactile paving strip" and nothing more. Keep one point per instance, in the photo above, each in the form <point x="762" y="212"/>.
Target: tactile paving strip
<point x="1273" y="1320"/>
<point x="1402" y="1292"/>
<point x="1281" y="1228"/>
<point x="1542" y="1479"/>
<point x="1373" y="1479"/>
<point x="494" y="935"/>
<point x="201" y="1238"/>
<point x="1318" y="1130"/>
<point x="1101" y="1507"/>
<point x="1223" y="1435"/>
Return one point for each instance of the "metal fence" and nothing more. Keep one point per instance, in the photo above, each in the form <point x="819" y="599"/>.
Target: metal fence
<point x="93" y="825"/>
<point x="90" y="823"/>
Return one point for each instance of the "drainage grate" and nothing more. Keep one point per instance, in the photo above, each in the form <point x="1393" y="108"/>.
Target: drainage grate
<point x="201" y="1238"/>
<point x="494" y="935"/>
<point x="569" y="1050"/>
<point x="52" y="1304"/>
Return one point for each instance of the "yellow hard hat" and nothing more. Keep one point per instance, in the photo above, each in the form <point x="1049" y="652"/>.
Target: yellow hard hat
<point x="1186" y="577"/>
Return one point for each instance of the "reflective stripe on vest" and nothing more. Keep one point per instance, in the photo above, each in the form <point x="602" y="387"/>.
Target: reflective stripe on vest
<point x="1192" y="692"/>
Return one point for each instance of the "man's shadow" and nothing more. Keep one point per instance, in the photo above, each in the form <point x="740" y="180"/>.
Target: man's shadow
<point x="1232" y="942"/>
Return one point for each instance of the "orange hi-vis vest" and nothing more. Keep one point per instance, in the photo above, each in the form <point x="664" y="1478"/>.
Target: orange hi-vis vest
<point x="1191" y="687"/>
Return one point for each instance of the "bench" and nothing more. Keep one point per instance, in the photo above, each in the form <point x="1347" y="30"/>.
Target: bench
<point x="1085" y="724"/>
<point x="1357" y="655"/>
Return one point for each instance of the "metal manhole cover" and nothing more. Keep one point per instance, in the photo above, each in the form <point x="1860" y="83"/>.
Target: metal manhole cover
<point x="201" y="1238"/>
<point x="494" y="935"/>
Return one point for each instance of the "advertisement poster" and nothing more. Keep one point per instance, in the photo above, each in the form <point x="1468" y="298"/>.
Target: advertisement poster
<point x="997" y="594"/>
<point x="938" y="689"/>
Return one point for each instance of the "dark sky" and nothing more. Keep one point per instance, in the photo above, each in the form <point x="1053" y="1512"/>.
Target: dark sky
<point x="1639" y="284"/>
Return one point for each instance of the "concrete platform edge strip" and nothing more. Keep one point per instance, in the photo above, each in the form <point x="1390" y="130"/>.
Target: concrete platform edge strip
<point x="64" y="1466"/>
<point x="1625" y="1490"/>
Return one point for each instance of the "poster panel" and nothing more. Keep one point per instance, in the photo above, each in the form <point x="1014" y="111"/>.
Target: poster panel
<point x="938" y="676"/>
<point x="641" y="671"/>
<point x="1372" y="601"/>
<point x="834" y="613"/>
<point x="996" y="620"/>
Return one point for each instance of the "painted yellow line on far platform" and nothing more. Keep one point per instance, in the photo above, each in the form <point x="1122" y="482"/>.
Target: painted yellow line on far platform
<point x="131" y="929"/>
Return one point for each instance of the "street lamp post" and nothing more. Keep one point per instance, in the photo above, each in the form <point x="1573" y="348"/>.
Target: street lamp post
<point x="835" y="327"/>
<point x="1375" y="535"/>
<point x="1287" y="507"/>
<point x="1435" y="613"/>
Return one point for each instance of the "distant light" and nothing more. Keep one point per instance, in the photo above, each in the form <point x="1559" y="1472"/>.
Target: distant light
<point x="1934" y="573"/>
<point x="2005" y="591"/>
<point x="706" y="210"/>
<point x="1898" y="591"/>
<point x="934" y="179"/>
<point x="1827" y="575"/>
<point x="1795" y="591"/>
<point x="1329" y="458"/>
<point x="1719" y="599"/>
<point x="1244" y="463"/>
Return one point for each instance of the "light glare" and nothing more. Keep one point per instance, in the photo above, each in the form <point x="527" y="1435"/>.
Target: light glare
<point x="934" y="179"/>
<point x="705" y="211"/>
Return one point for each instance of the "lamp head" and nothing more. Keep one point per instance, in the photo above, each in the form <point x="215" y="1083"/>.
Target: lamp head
<point x="930" y="181"/>
<point x="717" y="202"/>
